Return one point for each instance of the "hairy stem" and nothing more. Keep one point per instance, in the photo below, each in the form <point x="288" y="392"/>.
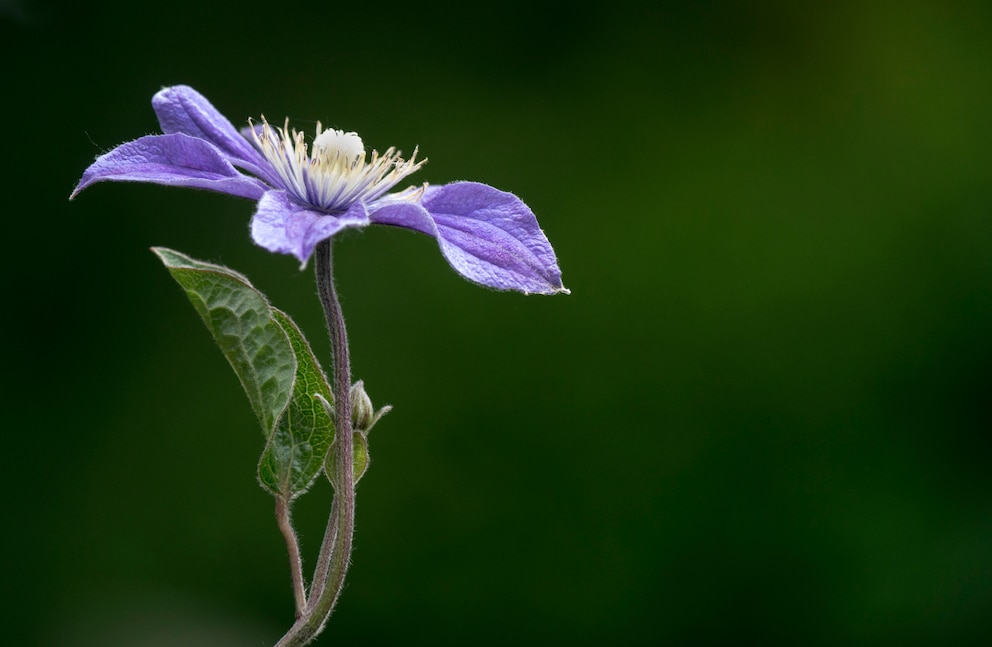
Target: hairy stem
<point x="293" y="547"/>
<point x="326" y="550"/>
<point x="332" y="564"/>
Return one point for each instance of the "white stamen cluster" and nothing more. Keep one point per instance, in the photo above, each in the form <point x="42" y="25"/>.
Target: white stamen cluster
<point x="338" y="174"/>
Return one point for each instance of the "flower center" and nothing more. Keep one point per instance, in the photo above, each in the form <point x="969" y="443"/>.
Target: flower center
<point x="337" y="142"/>
<point x="338" y="174"/>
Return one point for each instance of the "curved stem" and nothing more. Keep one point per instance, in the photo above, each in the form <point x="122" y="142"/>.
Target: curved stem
<point x="293" y="547"/>
<point x="341" y="526"/>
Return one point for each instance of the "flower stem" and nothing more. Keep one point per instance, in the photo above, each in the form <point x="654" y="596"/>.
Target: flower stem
<point x="335" y="551"/>
<point x="326" y="550"/>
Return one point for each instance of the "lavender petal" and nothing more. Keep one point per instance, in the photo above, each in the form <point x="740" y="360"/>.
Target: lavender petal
<point x="181" y="109"/>
<point x="488" y="236"/>
<point x="172" y="160"/>
<point x="281" y="225"/>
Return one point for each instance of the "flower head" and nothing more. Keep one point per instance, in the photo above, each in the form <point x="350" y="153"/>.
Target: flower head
<point x="337" y="174"/>
<point x="307" y="193"/>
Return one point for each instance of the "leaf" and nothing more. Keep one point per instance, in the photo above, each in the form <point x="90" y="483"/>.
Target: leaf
<point x="240" y="319"/>
<point x="275" y="364"/>
<point x="294" y="455"/>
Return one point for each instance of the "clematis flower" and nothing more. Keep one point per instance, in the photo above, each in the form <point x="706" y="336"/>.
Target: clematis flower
<point x="307" y="194"/>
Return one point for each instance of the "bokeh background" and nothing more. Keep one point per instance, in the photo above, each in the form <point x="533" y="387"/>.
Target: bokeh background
<point x="761" y="417"/>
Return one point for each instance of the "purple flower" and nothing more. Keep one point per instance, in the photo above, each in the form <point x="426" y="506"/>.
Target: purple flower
<point x="307" y="195"/>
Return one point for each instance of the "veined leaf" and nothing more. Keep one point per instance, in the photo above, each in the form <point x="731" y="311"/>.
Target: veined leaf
<point x="240" y="319"/>
<point x="275" y="364"/>
<point x="294" y="455"/>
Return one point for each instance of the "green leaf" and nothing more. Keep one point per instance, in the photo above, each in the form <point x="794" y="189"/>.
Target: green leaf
<point x="276" y="367"/>
<point x="240" y="319"/>
<point x="294" y="455"/>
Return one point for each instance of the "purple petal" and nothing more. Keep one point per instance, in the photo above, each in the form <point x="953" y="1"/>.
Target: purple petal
<point x="281" y="225"/>
<point x="488" y="236"/>
<point x="173" y="160"/>
<point x="181" y="109"/>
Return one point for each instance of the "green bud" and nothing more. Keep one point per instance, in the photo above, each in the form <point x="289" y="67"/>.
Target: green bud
<point x="362" y="411"/>
<point x="363" y="414"/>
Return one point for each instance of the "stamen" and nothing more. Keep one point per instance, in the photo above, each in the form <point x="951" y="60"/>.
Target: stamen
<point x="338" y="174"/>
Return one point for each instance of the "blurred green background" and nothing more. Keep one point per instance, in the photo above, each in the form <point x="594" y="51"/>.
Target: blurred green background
<point x="762" y="416"/>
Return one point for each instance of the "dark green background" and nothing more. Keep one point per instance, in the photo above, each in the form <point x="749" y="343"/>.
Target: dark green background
<point x="762" y="417"/>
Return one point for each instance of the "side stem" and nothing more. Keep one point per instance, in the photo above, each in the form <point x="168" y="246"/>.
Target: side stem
<point x="293" y="547"/>
<point x="338" y="536"/>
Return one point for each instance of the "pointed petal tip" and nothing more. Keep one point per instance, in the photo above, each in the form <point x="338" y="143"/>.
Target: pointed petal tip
<point x="84" y="183"/>
<point x="552" y="291"/>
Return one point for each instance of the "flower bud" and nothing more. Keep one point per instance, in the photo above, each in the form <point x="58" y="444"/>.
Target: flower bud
<point x="362" y="411"/>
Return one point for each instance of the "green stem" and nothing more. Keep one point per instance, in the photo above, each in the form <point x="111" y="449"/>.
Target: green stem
<point x="341" y="526"/>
